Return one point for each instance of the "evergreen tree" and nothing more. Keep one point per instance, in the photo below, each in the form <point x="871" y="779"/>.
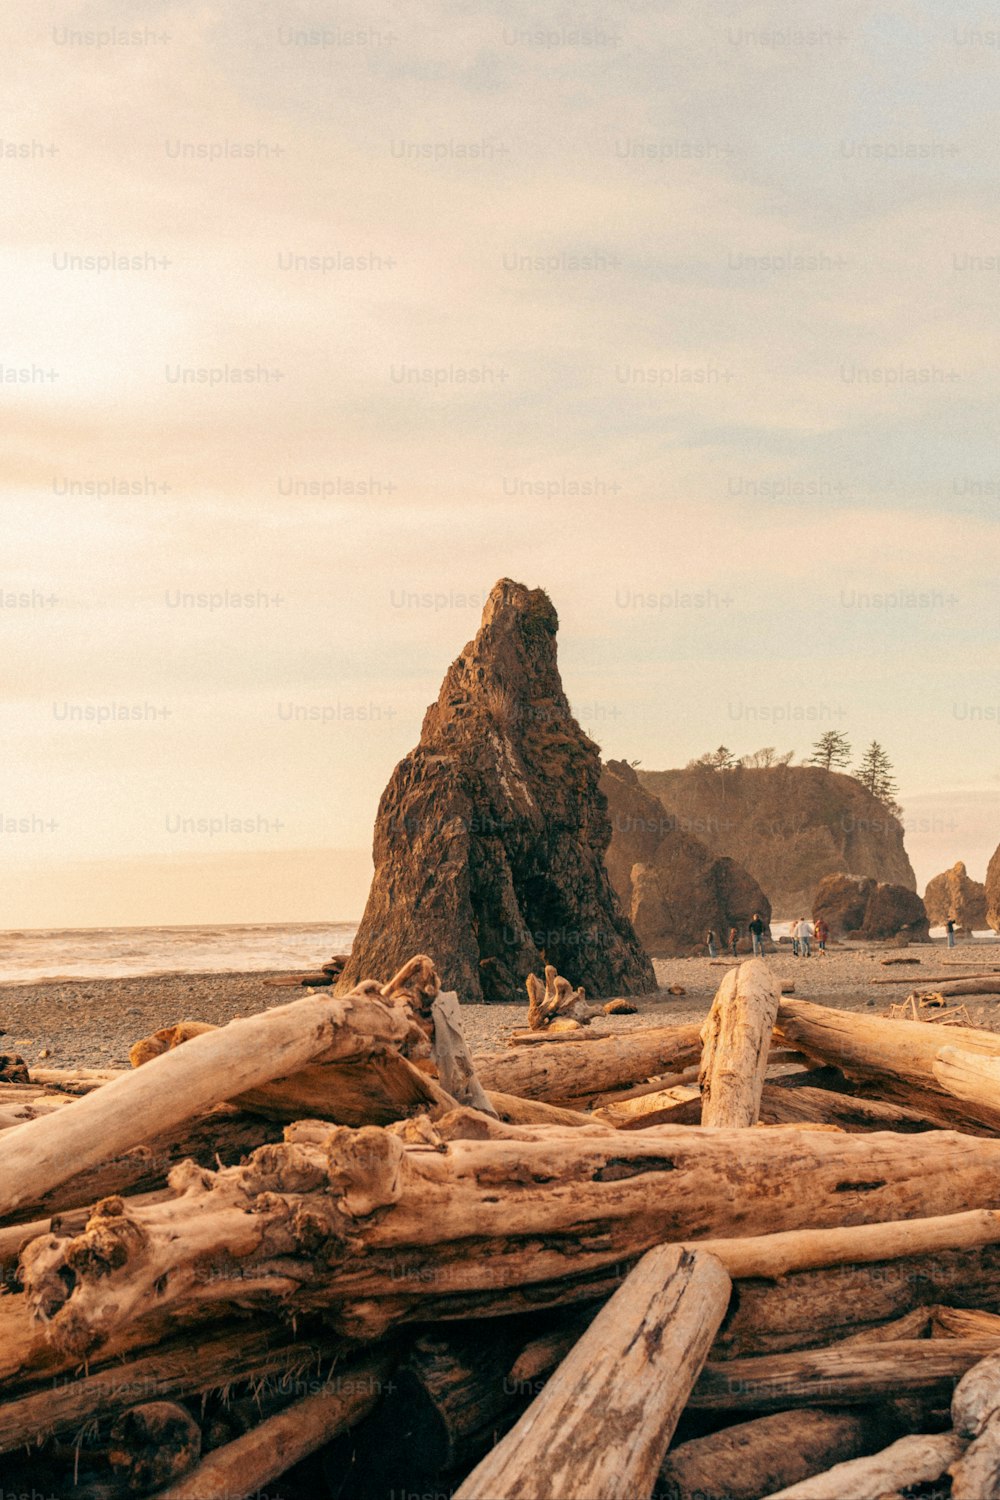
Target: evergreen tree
<point x="831" y="750"/>
<point x="874" y="771"/>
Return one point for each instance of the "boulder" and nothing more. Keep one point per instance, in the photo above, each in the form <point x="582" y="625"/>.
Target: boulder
<point x="869" y="910"/>
<point x="842" y="900"/>
<point x="788" y="826"/>
<point x="673" y="888"/>
<point x="491" y="835"/>
<point x="954" y="895"/>
<point x="993" y="891"/>
<point x="893" y="911"/>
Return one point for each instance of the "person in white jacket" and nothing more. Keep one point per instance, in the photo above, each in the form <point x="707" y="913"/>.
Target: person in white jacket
<point x="804" y="931"/>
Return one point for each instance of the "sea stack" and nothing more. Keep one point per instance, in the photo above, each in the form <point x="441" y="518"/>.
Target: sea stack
<point x="491" y="835"/>
<point x="953" y="894"/>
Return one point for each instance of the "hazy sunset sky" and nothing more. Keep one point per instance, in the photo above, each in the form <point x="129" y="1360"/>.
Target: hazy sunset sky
<point x="685" y="313"/>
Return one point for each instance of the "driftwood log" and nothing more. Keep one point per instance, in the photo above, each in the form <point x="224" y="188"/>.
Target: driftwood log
<point x="181" y="1083"/>
<point x="911" y="1461"/>
<point x="358" y="1221"/>
<point x="856" y="1374"/>
<point x="563" y="1074"/>
<point x="604" y="1419"/>
<point x="975" y="1412"/>
<point x="242" y="1468"/>
<point x="896" y="1057"/>
<point x="751" y="1459"/>
<point x="736" y="1038"/>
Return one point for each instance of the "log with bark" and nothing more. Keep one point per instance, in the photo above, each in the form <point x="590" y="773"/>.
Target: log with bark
<point x="735" y="1042"/>
<point x="603" y="1421"/>
<point x="243" y="1467"/>
<point x="856" y="1374"/>
<point x="750" y="1459"/>
<point x="372" y="1227"/>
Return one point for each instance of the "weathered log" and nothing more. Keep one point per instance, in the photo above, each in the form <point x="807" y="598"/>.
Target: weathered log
<point x="178" y="1085"/>
<point x="677" y="1105"/>
<point x="575" y="1075"/>
<point x="220" y="1134"/>
<point x="856" y="1374"/>
<point x="180" y="1367"/>
<point x="400" y="1223"/>
<point x="753" y="1458"/>
<point x="915" y="1324"/>
<point x="152" y="1444"/>
<point x="775" y="1255"/>
<point x="975" y="1411"/>
<point x="242" y="1467"/>
<point x="14" y="1237"/>
<point x="818" y="1307"/>
<point x="970" y="1077"/>
<point x="375" y="1089"/>
<point x="956" y="987"/>
<point x="469" y="1218"/>
<point x="75" y="1080"/>
<point x="735" y="1042"/>
<point x="919" y="1459"/>
<point x="789" y="1106"/>
<point x="896" y="1056"/>
<point x="925" y="979"/>
<point x="604" y="1419"/>
<point x="517" y="1111"/>
<point x="963" y="1323"/>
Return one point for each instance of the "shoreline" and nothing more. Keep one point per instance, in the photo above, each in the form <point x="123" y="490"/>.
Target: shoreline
<point x="94" y="1022"/>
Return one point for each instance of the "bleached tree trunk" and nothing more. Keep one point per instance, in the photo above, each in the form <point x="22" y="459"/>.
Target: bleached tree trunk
<point x="602" y="1423"/>
<point x="896" y="1057"/>
<point x="736" y="1039"/>
<point x="975" y="1411"/>
<point x="574" y="1075"/>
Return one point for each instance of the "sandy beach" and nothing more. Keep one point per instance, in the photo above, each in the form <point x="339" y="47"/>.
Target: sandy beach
<point x="93" y="1022"/>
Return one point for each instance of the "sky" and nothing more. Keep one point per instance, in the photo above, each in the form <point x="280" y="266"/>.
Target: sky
<point x="315" y="326"/>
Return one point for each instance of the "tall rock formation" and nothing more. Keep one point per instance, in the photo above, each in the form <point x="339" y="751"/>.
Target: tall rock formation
<point x="954" y="895"/>
<point x="671" y="886"/>
<point x="490" y="837"/>
<point x="993" y="891"/>
<point x="867" y="910"/>
<point x="789" y="826"/>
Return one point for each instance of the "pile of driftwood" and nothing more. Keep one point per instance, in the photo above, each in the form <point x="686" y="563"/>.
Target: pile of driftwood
<point x="757" y="1259"/>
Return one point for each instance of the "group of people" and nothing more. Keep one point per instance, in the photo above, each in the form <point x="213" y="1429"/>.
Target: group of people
<point x="803" y="932"/>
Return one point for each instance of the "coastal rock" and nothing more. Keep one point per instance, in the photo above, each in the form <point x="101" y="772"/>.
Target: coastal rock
<point x="893" y="911"/>
<point x="841" y="901"/>
<point x="868" y="910"/>
<point x="953" y="894"/>
<point x="993" y="891"/>
<point x="788" y="826"/>
<point x="490" y="836"/>
<point x="670" y="884"/>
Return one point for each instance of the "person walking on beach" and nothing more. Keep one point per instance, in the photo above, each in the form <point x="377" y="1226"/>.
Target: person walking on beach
<point x="794" y="932"/>
<point x="806" y="931"/>
<point x="949" y="928"/>
<point x="757" y="934"/>
<point x="822" y="933"/>
<point x="710" y="940"/>
<point x="734" y="936"/>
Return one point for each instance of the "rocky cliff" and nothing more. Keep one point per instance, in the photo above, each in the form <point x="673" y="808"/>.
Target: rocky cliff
<point x="953" y="894"/>
<point x="667" y="881"/>
<point x="490" y="836"/>
<point x="789" y="826"/>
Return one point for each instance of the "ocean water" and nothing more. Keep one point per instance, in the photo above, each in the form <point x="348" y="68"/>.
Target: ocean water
<point x="121" y="952"/>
